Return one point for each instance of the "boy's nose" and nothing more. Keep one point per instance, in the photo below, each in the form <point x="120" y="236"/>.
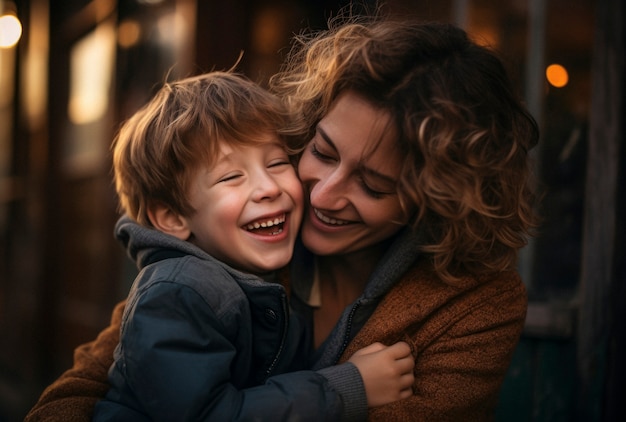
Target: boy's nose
<point x="266" y="188"/>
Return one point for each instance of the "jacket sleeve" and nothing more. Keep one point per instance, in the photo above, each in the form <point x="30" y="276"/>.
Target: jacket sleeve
<point x="182" y="369"/>
<point x="462" y="352"/>
<point x="74" y="394"/>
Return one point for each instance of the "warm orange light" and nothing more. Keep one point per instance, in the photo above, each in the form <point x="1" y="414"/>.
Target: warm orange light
<point x="557" y="75"/>
<point x="128" y="33"/>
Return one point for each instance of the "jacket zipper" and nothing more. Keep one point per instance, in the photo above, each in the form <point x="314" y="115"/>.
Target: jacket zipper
<point x="348" y="329"/>
<point x="283" y="299"/>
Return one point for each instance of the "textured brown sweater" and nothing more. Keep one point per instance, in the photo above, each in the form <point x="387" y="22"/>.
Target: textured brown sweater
<point x="462" y="337"/>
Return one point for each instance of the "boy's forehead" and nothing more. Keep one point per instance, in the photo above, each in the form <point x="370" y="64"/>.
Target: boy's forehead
<point x="228" y="147"/>
<point x="260" y="139"/>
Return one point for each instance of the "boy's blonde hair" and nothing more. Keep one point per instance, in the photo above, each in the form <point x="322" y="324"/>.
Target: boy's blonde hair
<point x="463" y="134"/>
<point x="158" y="149"/>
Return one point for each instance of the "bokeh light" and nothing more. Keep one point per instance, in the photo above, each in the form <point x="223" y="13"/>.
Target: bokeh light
<point x="128" y="33"/>
<point x="557" y="75"/>
<point x="10" y="31"/>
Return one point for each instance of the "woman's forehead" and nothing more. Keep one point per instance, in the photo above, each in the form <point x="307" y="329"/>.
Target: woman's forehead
<point x="360" y="131"/>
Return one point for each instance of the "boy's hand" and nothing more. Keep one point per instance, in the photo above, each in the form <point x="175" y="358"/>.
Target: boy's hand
<point x="387" y="372"/>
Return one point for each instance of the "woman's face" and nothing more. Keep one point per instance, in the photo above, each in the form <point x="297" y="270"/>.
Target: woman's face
<point x="352" y="203"/>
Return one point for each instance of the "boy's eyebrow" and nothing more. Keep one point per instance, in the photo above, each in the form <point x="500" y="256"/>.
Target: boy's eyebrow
<point x="363" y="168"/>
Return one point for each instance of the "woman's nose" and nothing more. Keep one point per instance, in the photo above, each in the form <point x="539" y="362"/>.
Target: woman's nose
<point x="329" y="191"/>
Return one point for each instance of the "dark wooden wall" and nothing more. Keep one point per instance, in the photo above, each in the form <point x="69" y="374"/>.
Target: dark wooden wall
<point x="602" y="314"/>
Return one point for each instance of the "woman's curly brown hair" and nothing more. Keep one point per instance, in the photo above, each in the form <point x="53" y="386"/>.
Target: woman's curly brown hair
<point x="464" y="135"/>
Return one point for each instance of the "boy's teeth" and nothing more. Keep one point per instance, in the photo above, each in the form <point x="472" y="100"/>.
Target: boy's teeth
<point x="267" y="223"/>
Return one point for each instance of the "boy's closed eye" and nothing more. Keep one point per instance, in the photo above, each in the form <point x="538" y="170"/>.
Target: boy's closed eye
<point x="229" y="177"/>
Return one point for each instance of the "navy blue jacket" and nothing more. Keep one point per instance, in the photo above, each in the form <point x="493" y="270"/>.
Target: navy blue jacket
<point x="203" y="341"/>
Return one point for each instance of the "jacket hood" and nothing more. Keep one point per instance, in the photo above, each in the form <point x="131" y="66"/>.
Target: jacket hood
<point x="143" y="242"/>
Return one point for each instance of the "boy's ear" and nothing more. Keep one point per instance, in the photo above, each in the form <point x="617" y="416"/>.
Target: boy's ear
<point x="167" y="221"/>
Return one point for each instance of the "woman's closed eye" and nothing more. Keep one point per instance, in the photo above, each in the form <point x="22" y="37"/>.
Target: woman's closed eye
<point x="376" y="186"/>
<point x="371" y="192"/>
<point x="320" y="155"/>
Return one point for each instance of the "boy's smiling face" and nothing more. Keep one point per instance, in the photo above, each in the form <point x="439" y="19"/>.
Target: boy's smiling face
<point x="248" y="206"/>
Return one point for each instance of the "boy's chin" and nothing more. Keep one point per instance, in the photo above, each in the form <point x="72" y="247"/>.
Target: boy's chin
<point x="266" y="265"/>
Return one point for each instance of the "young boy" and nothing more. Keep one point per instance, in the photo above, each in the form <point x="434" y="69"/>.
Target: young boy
<point x="213" y="208"/>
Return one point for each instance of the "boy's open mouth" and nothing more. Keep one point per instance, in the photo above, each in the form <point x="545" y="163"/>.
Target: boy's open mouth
<point x="267" y="226"/>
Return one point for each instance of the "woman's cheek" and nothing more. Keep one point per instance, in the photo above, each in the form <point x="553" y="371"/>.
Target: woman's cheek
<point x="304" y="166"/>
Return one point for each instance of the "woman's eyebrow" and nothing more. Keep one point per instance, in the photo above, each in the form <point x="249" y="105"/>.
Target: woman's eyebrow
<point x="364" y="169"/>
<point x="325" y="137"/>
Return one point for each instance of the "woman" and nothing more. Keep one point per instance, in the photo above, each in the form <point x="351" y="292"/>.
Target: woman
<point x="417" y="175"/>
<point x="418" y="178"/>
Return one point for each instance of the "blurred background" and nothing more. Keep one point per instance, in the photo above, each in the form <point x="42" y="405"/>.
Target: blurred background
<point x="72" y="70"/>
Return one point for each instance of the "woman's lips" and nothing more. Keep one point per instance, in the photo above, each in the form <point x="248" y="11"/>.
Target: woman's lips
<point x="329" y="220"/>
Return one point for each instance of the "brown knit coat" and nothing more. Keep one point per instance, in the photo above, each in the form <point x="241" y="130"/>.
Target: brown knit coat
<point x="462" y="338"/>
